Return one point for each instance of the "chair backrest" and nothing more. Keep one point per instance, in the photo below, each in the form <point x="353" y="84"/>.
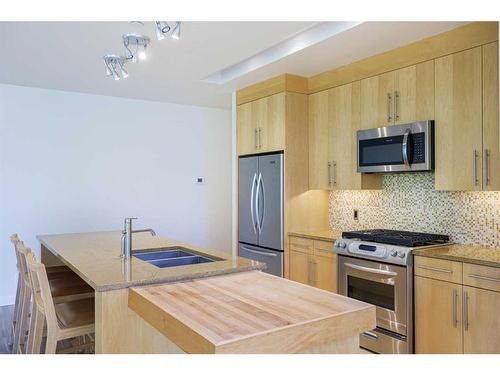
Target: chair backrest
<point x="15" y="240"/>
<point x="41" y="289"/>
<point x="21" y="252"/>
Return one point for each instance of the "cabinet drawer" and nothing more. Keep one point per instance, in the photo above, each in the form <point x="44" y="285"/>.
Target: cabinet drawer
<point x="303" y="245"/>
<point x="482" y="276"/>
<point x="439" y="269"/>
<point x="324" y="248"/>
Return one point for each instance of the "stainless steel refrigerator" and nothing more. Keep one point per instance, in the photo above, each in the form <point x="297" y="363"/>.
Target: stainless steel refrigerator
<point x="260" y="210"/>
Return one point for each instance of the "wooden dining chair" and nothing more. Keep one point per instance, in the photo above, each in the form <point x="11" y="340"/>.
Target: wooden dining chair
<point x="66" y="320"/>
<point x="64" y="286"/>
<point x="19" y="290"/>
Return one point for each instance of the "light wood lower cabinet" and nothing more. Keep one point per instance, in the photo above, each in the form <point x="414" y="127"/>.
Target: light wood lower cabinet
<point x="312" y="263"/>
<point x="481" y="321"/>
<point x="438" y="316"/>
<point x="458" y="317"/>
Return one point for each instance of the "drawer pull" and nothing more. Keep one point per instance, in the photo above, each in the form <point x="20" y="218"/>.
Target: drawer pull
<point x="435" y="269"/>
<point x="484" y="278"/>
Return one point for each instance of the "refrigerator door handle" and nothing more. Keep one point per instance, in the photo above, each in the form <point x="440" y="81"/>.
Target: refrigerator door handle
<point x="252" y="203"/>
<point x="263" y="203"/>
<point x="257" y="200"/>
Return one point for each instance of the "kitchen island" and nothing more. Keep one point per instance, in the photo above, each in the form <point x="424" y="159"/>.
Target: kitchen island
<point x="252" y="312"/>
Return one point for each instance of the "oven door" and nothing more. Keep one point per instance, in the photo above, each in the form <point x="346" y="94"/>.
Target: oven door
<point x="382" y="285"/>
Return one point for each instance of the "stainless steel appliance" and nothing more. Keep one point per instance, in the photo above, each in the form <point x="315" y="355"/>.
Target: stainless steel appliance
<point x="376" y="266"/>
<point x="260" y="210"/>
<point x="399" y="148"/>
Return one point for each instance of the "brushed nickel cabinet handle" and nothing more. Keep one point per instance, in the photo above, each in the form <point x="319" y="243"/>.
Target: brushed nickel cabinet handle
<point x="475" y="155"/>
<point x="255" y="138"/>
<point x="428" y="268"/>
<point x="455" y="303"/>
<point x="396" y="97"/>
<point x="260" y="139"/>
<point x="334" y="173"/>
<point x="487" y="166"/>
<point x="329" y="174"/>
<point x="466" y="311"/>
<point x="313" y="267"/>
<point x="309" y="281"/>
<point x="389" y="117"/>
<point x="480" y="277"/>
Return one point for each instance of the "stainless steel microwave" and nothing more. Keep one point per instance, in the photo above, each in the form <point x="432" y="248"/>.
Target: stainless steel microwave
<point x="398" y="148"/>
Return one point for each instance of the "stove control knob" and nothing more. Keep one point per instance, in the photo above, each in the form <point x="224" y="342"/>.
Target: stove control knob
<point x="401" y="254"/>
<point x="341" y="244"/>
<point x="394" y="253"/>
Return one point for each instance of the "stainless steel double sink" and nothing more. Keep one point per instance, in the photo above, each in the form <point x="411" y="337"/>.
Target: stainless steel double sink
<point x="173" y="257"/>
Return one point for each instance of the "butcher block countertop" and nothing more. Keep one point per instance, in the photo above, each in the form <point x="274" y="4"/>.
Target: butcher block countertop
<point x="249" y="312"/>
<point x="95" y="257"/>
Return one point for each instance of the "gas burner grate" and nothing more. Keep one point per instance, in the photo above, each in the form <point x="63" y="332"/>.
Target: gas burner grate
<point x="397" y="237"/>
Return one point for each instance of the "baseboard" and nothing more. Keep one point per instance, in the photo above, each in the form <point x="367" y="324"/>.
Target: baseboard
<point x="7" y="300"/>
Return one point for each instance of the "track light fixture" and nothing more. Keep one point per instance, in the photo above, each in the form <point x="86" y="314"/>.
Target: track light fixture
<point x="162" y="28"/>
<point x="115" y="66"/>
<point x="176" y="32"/>
<point x="135" y="46"/>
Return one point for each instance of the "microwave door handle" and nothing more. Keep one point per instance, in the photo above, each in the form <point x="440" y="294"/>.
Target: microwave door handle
<point x="406" y="158"/>
<point x="371" y="270"/>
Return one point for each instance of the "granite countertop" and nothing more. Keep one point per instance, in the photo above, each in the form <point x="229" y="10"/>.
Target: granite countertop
<point x="95" y="257"/>
<point x="322" y="234"/>
<point x="463" y="253"/>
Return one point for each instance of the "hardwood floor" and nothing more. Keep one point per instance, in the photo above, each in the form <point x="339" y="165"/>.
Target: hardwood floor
<point x="6" y="313"/>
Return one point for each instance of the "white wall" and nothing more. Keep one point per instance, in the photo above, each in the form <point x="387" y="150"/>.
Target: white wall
<point x="75" y="162"/>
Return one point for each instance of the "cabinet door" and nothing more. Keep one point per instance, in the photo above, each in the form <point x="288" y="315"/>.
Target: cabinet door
<point x="481" y="321"/>
<point x="414" y="93"/>
<point x="438" y="317"/>
<point x="245" y="130"/>
<point x="325" y="273"/>
<point x="299" y="267"/>
<point x="271" y="122"/>
<point x="344" y="123"/>
<point x="377" y="102"/>
<point x="318" y="140"/>
<point x="491" y="136"/>
<point x="458" y="129"/>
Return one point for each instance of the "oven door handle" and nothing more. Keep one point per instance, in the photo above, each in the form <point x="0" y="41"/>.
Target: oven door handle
<point x="371" y="270"/>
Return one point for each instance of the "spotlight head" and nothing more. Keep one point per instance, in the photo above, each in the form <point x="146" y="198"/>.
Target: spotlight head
<point x="176" y="32"/>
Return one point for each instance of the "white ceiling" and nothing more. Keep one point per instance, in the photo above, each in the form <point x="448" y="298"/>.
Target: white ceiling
<point x="68" y="55"/>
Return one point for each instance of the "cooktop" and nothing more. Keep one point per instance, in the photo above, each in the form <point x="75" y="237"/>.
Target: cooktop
<point x="398" y="237"/>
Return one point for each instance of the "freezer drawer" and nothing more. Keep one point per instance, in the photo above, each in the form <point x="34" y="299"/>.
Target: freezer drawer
<point x="272" y="259"/>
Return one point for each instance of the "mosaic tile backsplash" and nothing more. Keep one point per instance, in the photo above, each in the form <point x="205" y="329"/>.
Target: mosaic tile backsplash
<point x="410" y="202"/>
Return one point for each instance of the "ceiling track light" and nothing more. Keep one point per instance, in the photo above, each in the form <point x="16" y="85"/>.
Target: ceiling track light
<point x="115" y="66"/>
<point x="162" y="28"/>
<point x="135" y="46"/>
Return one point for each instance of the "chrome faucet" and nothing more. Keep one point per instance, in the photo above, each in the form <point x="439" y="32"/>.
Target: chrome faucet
<point x="127" y="236"/>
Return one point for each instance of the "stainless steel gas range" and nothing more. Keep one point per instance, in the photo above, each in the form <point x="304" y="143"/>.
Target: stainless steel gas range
<point x="376" y="266"/>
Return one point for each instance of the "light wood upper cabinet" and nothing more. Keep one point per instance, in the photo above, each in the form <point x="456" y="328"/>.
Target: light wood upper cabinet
<point x="438" y="316"/>
<point x="481" y="321"/>
<point x="414" y="93"/>
<point x="261" y="125"/>
<point x="377" y="95"/>
<point x="398" y="97"/>
<point x="491" y="136"/>
<point x="458" y="130"/>
<point x="333" y="123"/>
<point x="319" y="106"/>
